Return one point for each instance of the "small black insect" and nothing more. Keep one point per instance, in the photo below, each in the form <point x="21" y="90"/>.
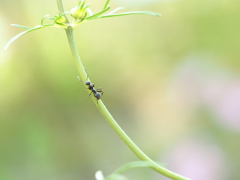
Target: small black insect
<point x="96" y="92"/>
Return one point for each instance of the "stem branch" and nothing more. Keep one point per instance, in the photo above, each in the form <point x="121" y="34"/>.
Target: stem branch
<point x="106" y="4"/>
<point x="103" y="110"/>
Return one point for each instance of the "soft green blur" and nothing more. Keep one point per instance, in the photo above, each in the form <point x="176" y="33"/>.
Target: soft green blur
<point x="172" y="83"/>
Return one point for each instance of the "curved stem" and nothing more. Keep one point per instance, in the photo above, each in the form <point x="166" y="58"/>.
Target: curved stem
<point x="103" y="110"/>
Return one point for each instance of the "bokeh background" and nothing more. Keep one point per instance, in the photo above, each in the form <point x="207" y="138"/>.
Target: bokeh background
<point x="172" y="83"/>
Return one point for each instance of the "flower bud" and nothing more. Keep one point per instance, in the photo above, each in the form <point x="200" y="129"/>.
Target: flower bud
<point x="61" y="20"/>
<point x="79" y="12"/>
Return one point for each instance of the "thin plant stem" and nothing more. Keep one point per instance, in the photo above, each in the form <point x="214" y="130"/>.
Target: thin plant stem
<point x="61" y="9"/>
<point x="106" y="4"/>
<point x="106" y="114"/>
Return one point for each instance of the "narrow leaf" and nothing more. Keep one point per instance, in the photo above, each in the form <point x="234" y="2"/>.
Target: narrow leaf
<point x="131" y="165"/>
<point x="89" y="11"/>
<point x="116" y="177"/>
<point x="20" y="26"/>
<point x="97" y="14"/>
<point x="115" y="10"/>
<point x="130" y="13"/>
<point x="47" y="16"/>
<point x="106" y="4"/>
<point x="22" y="33"/>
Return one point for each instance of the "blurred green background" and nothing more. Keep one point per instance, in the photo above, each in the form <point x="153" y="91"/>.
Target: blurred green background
<point x="172" y="83"/>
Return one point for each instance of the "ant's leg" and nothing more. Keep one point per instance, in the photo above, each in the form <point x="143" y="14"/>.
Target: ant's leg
<point x="90" y="93"/>
<point x="99" y="90"/>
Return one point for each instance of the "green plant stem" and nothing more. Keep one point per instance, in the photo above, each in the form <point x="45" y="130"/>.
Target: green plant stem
<point x="106" y="4"/>
<point x="103" y="110"/>
<point x="61" y="8"/>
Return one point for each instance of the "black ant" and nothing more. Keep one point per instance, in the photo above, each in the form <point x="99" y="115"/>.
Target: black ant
<point x="96" y="92"/>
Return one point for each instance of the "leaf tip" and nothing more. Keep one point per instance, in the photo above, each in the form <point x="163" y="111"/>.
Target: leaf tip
<point x="6" y="47"/>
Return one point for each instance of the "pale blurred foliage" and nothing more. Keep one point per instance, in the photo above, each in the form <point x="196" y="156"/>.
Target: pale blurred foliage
<point x="172" y="83"/>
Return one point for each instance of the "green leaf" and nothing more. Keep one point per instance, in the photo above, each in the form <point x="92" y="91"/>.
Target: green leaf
<point x="106" y="4"/>
<point x="116" y="177"/>
<point x="131" y="165"/>
<point x="89" y="11"/>
<point x="47" y="16"/>
<point x="22" y="33"/>
<point x="95" y="16"/>
<point x="20" y="26"/>
<point x="131" y="13"/>
<point x="115" y="10"/>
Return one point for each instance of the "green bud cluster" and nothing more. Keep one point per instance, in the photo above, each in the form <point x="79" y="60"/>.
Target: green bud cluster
<point x="61" y="20"/>
<point x="79" y="12"/>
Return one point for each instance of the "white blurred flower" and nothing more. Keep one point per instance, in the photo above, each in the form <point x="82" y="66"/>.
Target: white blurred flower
<point x="99" y="175"/>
